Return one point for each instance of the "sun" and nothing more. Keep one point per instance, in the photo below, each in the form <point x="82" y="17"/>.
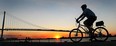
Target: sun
<point x="57" y="36"/>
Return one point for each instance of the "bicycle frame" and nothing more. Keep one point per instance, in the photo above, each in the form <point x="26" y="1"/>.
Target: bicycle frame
<point x="83" y="27"/>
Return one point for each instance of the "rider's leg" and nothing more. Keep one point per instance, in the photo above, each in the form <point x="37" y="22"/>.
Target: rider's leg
<point x="90" y="32"/>
<point x="89" y="24"/>
<point x="91" y="21"/>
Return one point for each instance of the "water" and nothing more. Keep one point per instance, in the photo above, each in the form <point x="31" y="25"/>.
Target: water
<point x="59" y="40"/>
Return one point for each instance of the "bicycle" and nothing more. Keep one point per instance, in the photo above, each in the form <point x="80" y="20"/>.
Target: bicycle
<point x="100" y="33"/>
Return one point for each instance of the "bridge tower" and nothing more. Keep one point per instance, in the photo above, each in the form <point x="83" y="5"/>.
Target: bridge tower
<point x="3" y="25"/>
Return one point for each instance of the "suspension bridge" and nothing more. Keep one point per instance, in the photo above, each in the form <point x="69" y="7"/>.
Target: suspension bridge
<point x="9" y="23"/>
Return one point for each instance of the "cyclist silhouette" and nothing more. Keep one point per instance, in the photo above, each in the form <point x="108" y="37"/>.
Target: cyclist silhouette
<point x="91" y="17"/>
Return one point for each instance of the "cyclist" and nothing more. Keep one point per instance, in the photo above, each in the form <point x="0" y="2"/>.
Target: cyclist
<point x="91" y="17"/>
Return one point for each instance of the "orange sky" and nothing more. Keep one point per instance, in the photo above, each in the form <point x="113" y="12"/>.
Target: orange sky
<point x="39" y="34"/>
<point x="35" y="34"/>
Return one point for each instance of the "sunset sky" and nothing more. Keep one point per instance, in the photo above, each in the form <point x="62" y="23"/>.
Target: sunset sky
<point x="54" y="14"/>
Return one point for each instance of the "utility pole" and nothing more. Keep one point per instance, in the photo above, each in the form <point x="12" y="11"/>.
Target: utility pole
<point x="3" y="25"/>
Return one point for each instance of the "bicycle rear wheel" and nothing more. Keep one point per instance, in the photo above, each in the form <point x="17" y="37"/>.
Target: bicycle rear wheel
<point x="101" y="34"/>
<point x="75" y="35"/>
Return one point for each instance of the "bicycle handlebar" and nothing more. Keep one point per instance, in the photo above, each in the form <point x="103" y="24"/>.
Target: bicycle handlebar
<point x="77" y="23"/>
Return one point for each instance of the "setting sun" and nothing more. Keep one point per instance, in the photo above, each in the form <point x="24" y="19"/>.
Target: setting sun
<point x="57" y="36"/>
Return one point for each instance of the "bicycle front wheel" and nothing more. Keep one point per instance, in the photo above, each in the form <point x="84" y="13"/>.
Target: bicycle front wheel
<point x="101" y="34"/>
<point x="75" y="35"/>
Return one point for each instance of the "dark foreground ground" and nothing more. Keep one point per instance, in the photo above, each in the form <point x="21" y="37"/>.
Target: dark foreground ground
<point x="57" y="44"/>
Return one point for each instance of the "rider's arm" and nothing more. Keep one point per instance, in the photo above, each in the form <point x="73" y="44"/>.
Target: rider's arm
<point x="81" y="17"/>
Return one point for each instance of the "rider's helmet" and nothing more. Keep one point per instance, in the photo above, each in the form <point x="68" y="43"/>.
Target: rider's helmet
<point x="84" y="6"/>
